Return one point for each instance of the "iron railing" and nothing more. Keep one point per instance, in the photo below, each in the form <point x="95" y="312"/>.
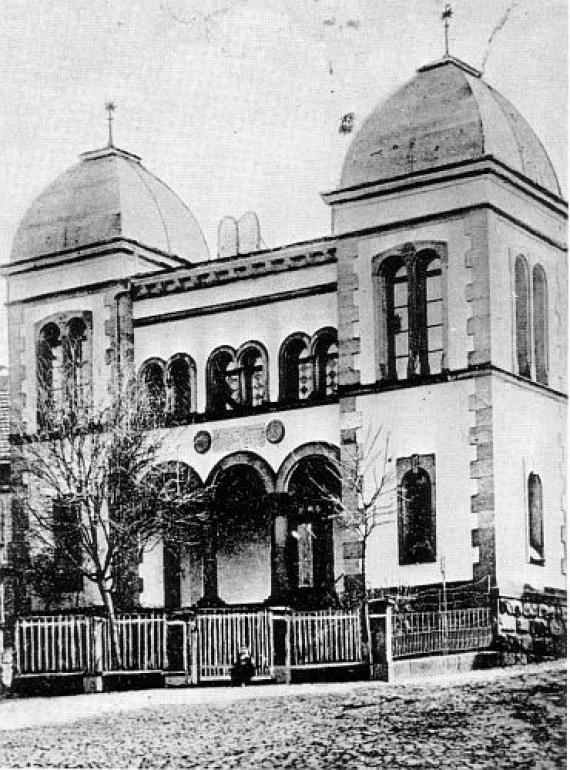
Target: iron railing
<point x="423" y="633"/>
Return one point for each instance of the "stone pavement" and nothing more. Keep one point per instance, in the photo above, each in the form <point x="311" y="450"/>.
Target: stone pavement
<point x="511" y="718"/>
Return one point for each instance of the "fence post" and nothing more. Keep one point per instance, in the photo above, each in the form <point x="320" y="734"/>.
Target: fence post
<point x="17" y="625"/>
<point x="389" y="643"/>
<point x="193" y="642"/>
<point x="367" y="647"/>
<point x="288" y="642"/>
<point x="93" y="679"/>
<point x="282" y="645"/>
<point x="163" y="659"/>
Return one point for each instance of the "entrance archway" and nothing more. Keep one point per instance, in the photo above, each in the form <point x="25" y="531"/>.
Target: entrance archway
<point x="181" y="545"/>
<point x="243" y="535"/>
<point x="313" y="488"/>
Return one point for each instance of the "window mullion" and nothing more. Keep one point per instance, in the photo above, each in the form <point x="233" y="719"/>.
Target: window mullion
<point x="414" y="318"/>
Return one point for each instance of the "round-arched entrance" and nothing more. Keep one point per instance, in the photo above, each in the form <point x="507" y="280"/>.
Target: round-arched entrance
<point x="182" y="536"/>
<point x="314" y="491"/>
<point x="243" y="547"/>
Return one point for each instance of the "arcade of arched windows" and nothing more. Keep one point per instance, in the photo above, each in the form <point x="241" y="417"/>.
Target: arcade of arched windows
<point x="237" y="381"/>
<point x="63" y="368"/>
<point x="531" y="320"/>
<point x="168" y="389"/>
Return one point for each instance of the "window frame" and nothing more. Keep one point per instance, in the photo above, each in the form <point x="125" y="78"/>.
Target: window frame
<point x="412" y="256"/>
<point x="542" y="375"/>
<point x="73" y="395"/>
<point x="534" y="493"/>
<point x="235" y="360"/>
<point x="289" y="380"/>
<point x="155" y="412"/>
<point x="535" y="272"/>
<point x="425" y="464"/>
<point x="214" y="403"/>
<point x="522" y="306"/>
<point x="321" y="343"/>
<point x="175" y="414"/>
<point x="247" y="374"/>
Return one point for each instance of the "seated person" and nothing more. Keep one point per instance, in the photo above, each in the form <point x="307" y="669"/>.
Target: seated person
<point x="243" y="669"/>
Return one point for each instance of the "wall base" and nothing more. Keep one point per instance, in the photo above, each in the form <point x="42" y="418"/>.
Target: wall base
<point x="93" y="683"/>
<point x="282" y="674"/>
<point x="177" y="680"/>
<point x="416" y="668"/>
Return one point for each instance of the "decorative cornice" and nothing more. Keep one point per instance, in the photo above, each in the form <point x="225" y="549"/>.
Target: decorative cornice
<point x="112" y="246"/>
<point x="452" y="375"/>
<point x="92" y="288"/>
<point x="224" y="307"/>
<point x="449" y="172"/>
<point x="437" y="216"/>
<point x="218" y="272"/>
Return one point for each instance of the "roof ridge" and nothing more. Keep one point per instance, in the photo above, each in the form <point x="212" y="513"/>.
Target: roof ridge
<point x="138" y="171"/>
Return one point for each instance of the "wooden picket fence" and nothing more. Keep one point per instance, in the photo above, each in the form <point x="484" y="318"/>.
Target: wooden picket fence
<point x="325" y="638"/>
<point x="208" y="642"/>
<point x="59" y="644"/>
<point x="141" y="643"/>
<point x="222" y="634"/>
<point x="423" y="633"/>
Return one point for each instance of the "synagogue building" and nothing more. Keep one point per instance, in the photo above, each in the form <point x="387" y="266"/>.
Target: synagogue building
<point x="425" y="335"/>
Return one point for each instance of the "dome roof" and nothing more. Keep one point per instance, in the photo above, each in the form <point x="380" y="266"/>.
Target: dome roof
<point x="108" y="195"/>
<point x="445" y="114"/>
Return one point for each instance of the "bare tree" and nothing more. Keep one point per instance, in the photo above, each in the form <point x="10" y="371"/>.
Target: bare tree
<point x="92" y="495"/>
<point x="363" y="499"/>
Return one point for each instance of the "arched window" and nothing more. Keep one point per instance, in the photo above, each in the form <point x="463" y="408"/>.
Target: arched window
<point x="296" y="370"/>
<point x="63" y="368"/>
<point x="153" y="391"/>
<point x="522" y="316"/>
<point x="429" y="313"/>
<point x="49" y="372"/>
<point x="74" y="364"/>
<point x="180" y="385"/>
<point x="223" y="391"/>
<point x="253" y="376"/>
<point x="535" y="519"/>
<point x="416" y="511"/>
<point x="397" y="295"/>
<point x="409" y="297"/>
<point x="540" y="323"/>
<point x="326" y="363"/>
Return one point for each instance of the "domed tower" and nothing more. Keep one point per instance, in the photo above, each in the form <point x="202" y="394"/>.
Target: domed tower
<point x="101" y="222"/>
<point x="452" y="331"/>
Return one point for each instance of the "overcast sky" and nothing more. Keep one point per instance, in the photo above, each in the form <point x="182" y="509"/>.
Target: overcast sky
<point x="236" y="103"/>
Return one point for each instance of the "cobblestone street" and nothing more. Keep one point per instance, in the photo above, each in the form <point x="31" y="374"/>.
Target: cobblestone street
<point x="501" y="719"/>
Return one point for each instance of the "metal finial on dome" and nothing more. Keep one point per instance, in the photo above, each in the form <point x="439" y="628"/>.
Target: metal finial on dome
<point x="446" y="16"/>
<point x="110" y="107"/>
